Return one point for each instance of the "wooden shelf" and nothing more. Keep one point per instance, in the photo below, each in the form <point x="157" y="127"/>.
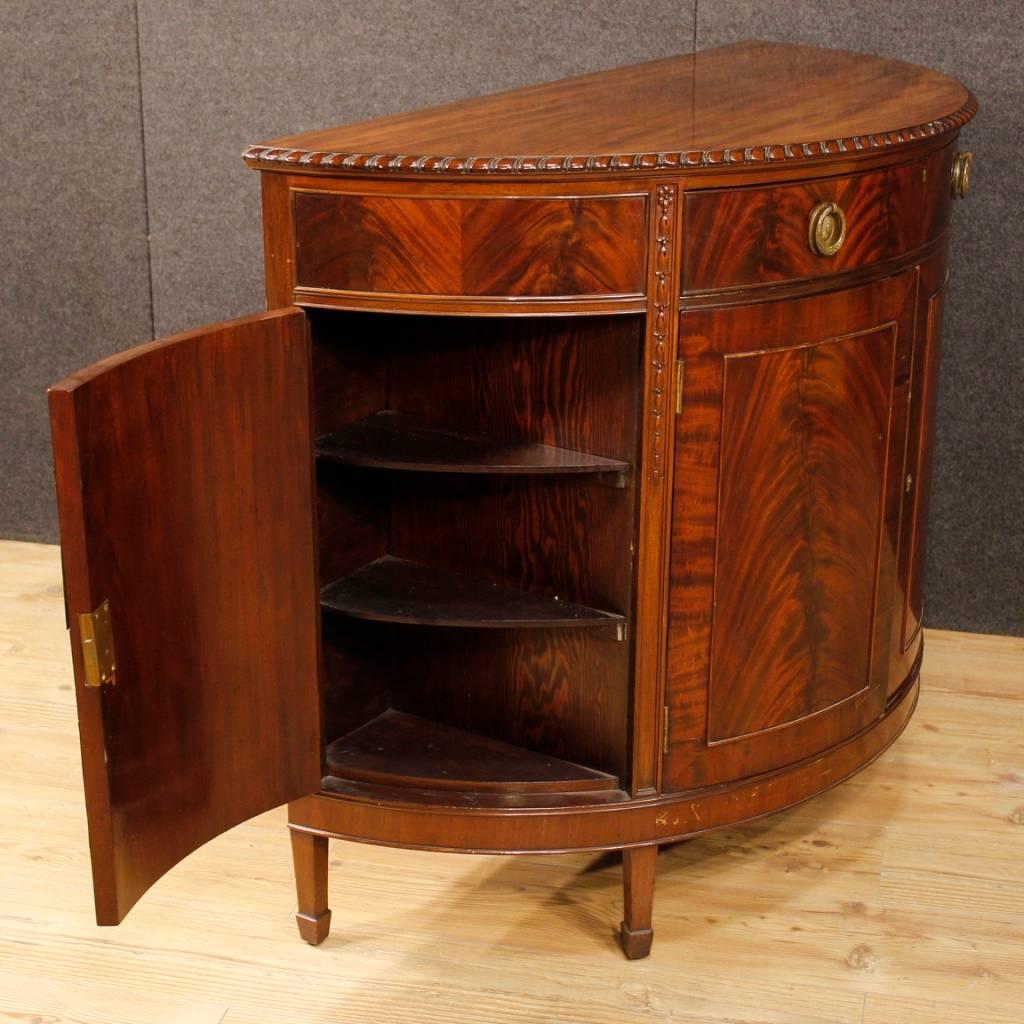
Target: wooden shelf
<point x="399" y="749"/>
<point x="389" y="440"/>
<point x="395" y="590"/>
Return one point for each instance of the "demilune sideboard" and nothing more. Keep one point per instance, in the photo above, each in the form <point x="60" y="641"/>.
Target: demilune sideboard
<point x="572" y="494"/>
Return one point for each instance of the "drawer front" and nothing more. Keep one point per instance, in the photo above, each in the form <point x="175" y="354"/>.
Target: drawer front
<point x="920" y="201"/>
<point x="516" y="248"/>
<point x="743" y="237"/>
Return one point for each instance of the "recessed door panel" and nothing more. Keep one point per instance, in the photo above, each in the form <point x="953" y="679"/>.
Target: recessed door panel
<point x="799" y="511"/>
<point x="784" y="532"/>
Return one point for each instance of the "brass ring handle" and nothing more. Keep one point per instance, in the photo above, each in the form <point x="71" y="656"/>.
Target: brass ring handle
<point x="826" y="229"/>
<point x="962" y="174"/>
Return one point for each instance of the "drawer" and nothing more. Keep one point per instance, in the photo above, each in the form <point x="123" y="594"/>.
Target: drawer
<point x="742" y="237"/>
<point x="516" y="248"/>
<point x="920" y="201"/>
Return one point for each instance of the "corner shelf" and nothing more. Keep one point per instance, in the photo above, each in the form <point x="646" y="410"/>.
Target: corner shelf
<point x="390" y="440"/>
<point x="396" y="590"/>
<point x="400" y="749"/>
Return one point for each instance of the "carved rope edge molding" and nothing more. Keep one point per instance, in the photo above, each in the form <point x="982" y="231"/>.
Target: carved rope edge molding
<point x="767" y="153"/>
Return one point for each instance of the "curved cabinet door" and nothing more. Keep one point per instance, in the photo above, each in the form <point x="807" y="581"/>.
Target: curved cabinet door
<point x="785" y="521"/>
<point x="185" y="490"/>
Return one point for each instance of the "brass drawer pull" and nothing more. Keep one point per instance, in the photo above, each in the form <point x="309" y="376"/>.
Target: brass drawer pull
<point x="962" y="174"/>
<point x="826" y="229"/>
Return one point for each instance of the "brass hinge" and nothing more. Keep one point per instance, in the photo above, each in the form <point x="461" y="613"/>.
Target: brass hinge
<point x="664" y="729"/>
<point x="679" y="387"/>
<point x="97" y="639"/>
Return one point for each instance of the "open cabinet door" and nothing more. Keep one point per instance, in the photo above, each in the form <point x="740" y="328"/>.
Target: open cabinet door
<point x="185" y="488"/>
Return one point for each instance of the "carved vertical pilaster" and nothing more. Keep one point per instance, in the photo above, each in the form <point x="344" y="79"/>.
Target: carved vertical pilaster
<point x="655" y="486"/>
<point x="662" y="289"/>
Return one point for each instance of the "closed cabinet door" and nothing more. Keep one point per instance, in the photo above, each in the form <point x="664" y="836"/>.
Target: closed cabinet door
<point x="185" y="492"/>
<point x="786" y="503"/>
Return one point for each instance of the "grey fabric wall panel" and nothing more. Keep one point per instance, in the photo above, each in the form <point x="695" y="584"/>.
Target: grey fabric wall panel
<point x="976" y="544"/>
<point x="216" y="77"/>
<point x="73" y="267"/>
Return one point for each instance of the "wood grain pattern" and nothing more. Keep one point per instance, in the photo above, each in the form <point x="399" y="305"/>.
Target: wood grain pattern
<point x="384" y="243"/>
<point x="559" y="692"/>
<point x="710" y="341"/>
<point x="803" y="463"/>
<point x="739" y="237"/>
<point x="920" y="200"/>
<point x="520" y="247"/>
<point x="581" y="246"/>
<point x="182" y="467"/>
<point x="749" y="103"/>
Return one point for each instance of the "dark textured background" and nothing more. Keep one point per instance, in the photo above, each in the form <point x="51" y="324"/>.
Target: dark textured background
<point x="125" y="121"/>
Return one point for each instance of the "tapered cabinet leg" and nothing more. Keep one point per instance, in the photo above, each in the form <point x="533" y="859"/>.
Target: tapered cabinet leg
<point x="309" y="853"/>
<point x="638" y="871"/>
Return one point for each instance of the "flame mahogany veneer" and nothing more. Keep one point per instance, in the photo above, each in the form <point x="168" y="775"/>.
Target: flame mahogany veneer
<point x="567" y="498"/>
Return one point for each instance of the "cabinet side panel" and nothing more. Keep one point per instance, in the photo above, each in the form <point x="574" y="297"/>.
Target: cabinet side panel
<point x="278" y="240"/>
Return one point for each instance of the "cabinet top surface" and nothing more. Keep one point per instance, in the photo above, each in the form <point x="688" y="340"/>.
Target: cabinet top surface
<point x="752" y="102"/>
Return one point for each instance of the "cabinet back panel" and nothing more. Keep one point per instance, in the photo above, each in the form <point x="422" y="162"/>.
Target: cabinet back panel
<point x="559" y="692"/>
<point x="570" y="537"/>
<point x="560" y="381"/>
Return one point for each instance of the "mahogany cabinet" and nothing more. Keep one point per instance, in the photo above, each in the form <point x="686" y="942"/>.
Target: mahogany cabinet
<point x="572" y="495"/>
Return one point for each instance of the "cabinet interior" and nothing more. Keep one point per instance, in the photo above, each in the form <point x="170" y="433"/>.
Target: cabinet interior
<point x="476" y="505"/>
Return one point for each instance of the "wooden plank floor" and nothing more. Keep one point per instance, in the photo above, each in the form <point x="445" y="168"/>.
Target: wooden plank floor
<point x="896" y="899"/>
